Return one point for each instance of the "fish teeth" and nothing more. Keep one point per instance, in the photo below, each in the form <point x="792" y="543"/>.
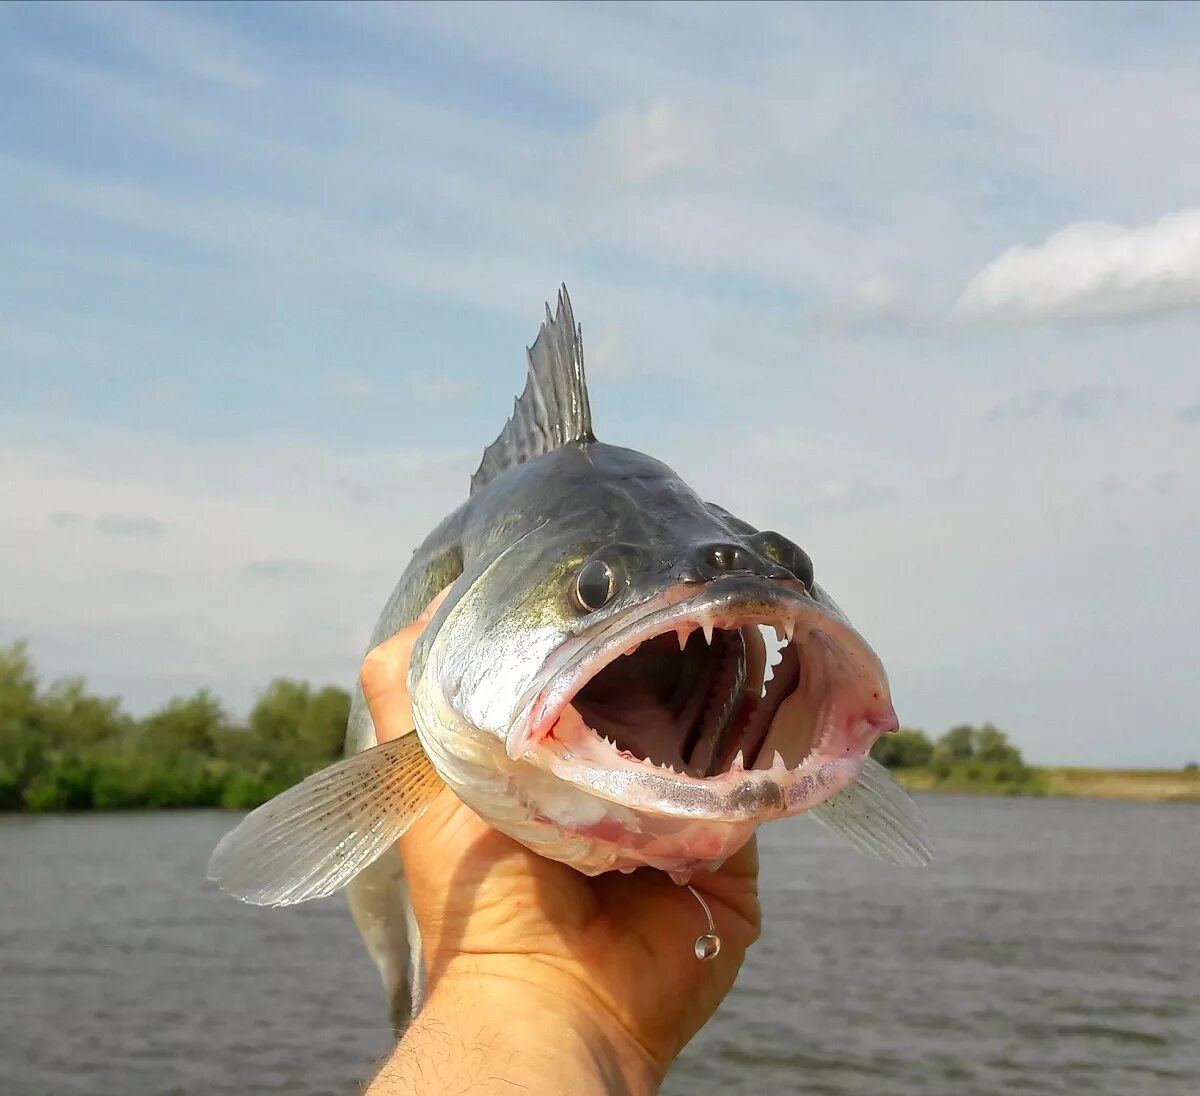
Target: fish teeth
<point x="707" y="627"/>
<point x="738" y="763"/>
<point x="778" y="764"/>
<point x="682" y="633"/>
<point x="788" y="629"/>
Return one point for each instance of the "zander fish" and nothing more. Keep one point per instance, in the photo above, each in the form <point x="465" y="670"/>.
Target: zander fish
<point x="598" y="684"/>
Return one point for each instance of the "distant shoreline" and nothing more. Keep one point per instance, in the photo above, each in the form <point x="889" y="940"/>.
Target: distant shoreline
<point x="1135" y="785"/>
<point x="1128" y="785"/>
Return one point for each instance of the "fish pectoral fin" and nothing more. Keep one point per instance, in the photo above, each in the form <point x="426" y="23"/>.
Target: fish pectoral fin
<point x="877" y="817"/>
<point x="312" y="839"/>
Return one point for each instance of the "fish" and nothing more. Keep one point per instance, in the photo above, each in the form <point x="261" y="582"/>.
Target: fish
<point x="621" y="675"/>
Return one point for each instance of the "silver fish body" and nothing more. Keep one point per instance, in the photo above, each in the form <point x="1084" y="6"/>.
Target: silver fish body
<point x="597" y="684"/>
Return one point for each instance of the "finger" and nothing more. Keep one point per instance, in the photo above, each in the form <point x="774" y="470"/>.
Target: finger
<point x="384" y="677"/>
<point x="427" y="613"/>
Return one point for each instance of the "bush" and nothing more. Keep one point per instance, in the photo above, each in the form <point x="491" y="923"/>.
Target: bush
<point x="968" y="758"/>
<point x="63" y="748"/>
<point x="905" y="749"/>
<point x="967" y="743"/>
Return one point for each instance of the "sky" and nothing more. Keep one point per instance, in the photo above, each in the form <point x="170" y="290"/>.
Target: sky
<point x="918" y="286"/>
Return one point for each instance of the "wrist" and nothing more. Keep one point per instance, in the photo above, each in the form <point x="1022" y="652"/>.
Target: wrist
<point x="550" y="1030"/>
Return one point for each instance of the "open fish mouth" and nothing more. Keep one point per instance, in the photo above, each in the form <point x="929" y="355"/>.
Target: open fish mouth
<point x="667" y="709"/>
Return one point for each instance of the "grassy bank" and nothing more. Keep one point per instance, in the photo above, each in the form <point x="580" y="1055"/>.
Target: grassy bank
<point x="1144" y="785"/>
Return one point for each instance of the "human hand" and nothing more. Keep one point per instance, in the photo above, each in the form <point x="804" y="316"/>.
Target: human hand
<point x="517" y="939"/>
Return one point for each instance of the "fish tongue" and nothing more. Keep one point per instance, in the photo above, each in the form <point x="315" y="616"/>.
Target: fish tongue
<point x="725" y="700"/>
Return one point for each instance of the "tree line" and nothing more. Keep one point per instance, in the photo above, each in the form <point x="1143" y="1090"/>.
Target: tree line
<point x="965" y="755"/>
<point x="64" y="748"/>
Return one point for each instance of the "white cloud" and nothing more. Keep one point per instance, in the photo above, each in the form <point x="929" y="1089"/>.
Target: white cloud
<point x="1093" y="269"/>
<point x="130" y="525"/>
<point x="178" y="43"/>
<point x="651" y="143"/>
<point x="1084" y="402"/>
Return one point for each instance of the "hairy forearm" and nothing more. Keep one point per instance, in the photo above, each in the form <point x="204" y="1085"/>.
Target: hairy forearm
<point x="482" y="1035"/>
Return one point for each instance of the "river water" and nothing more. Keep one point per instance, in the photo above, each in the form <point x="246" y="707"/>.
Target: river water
<point x="1054" y="947"/>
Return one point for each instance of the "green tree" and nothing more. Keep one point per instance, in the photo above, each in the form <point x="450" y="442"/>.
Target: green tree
<point x="74" y="730"/>
<point x="20" y="746"/>
<point x="905" y="749"/>
<point x="292" y="731"/>
<point x="982" y="756"/>
<point x="63" y="747"/>
<point x="194" y="724"/>
<point x="960" y="743"/>
<point x="992" y="745"/>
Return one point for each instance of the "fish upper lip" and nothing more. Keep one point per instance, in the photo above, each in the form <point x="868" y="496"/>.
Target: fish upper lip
<point x="737" y="793"/>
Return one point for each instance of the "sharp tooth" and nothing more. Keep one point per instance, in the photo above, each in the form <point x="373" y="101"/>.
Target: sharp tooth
<point x="778" y="764"/>
<point x="707" y="626"/>
<point x="788" y="629"/>
<point x="682" y="633"/>
<point x="738" y="763"/>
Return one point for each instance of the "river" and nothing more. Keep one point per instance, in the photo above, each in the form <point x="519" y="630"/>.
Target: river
<point x="1054" y="947"/>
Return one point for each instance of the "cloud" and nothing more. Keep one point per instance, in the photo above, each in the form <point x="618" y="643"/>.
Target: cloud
<point x="1166" y="482"/>
<point x="880" y="302"/>
<point x="284" y="570"/>
<point x="141" y="580"/>
<point x="125" y="525"/>
<point x="1093" y="270"/>
<point x="1090" y="401"/>
<point x="850" y="497"/>
<point x="658" y="142"/>
<point x="605" y="353"/>
<point x="22" y="342"/>
<point x="179" y="43"/>
<point x="351" y="386"/>
<point x="1085" y="402"/>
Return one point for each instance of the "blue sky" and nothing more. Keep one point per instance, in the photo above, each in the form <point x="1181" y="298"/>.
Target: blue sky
<point x="917" y="285"/>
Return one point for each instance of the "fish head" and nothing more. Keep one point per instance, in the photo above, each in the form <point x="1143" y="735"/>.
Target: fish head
<point x="689" y="669"/>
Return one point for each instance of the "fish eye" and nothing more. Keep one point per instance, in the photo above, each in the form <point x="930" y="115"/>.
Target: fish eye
<point x="595" y="585"/>
<point x="787" y="554"/>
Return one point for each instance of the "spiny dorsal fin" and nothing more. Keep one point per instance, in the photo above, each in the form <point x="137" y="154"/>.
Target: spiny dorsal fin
<point x="553" y="410"/>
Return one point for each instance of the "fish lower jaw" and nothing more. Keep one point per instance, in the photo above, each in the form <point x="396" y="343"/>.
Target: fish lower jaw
<point x="769" y="790"/>
<point x="594" y="761"/>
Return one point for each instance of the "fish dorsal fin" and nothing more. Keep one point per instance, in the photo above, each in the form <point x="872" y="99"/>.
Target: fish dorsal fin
<point x="553" y="410"/>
